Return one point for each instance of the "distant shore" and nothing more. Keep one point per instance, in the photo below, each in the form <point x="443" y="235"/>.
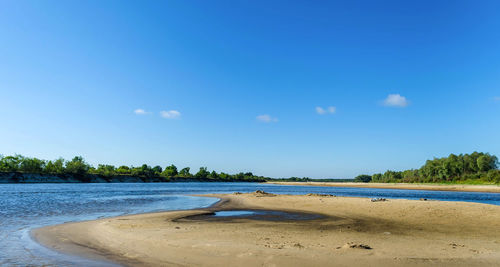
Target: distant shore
<point x="351" y="232"/>
<point x="33" y="178"/>
<point x="435" y="187"/>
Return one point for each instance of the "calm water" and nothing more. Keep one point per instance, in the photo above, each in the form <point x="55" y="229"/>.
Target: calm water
<point x="266" y="215"/>
<point x="27" y="206"/>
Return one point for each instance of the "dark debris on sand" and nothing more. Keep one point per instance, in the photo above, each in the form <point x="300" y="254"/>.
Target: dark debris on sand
<point x="355" y="245"/>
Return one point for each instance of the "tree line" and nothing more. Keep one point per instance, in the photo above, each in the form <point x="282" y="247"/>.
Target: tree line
<point x="78" y="167"/>
<point x="476" y="167"/>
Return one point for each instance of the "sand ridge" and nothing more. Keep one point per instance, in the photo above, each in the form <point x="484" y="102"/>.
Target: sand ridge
<point x="432" y="187"/>
<point x="353" y="232"/>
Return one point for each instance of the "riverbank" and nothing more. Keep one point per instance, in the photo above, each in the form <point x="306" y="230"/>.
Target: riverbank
<point x="432" y="187"/>
<point x="34" y="178"/>
<point x="352" y="231"/>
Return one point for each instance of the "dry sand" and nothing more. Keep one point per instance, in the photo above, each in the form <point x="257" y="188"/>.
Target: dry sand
<point x="399" y="233"/>
<point x="434" y="187"/>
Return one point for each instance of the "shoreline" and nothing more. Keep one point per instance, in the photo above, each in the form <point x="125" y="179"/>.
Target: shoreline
<point x="45" y="178"/>
<point x="399" y="232"/>
<point x="85" y="249"/>
<point x="406" y="186"/>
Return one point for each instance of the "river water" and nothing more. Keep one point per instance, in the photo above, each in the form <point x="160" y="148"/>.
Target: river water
<point x="27" y="206"/>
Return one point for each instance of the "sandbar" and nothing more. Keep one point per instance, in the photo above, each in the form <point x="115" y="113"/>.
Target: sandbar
<point x="349" y="232"/>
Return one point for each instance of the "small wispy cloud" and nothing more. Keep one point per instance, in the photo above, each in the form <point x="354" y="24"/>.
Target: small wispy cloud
<point x="395" y="100"/>
<point x="140" y="111"/>
<point x="496" y="98"/>
<point x="170" y="114"/>
<point x="266" y="118"/>
<point x="322" y="111"/>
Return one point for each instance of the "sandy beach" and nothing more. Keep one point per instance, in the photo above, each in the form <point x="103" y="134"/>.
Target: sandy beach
<point x="434" y="187"/>
<point x="348" y="232"/>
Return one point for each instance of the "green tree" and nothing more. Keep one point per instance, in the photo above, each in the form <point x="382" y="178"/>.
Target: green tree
<point x="144" y="171"/>
<point x="224" y="176"/>
<point x="123" y="170"/>
<point x="474" y="166"/>
<point x="170" y="171"/>
<point x="157" y="171"/>
<point x="377" y="177"/>
<point x="363" y="178"/>
<point x="202" y="173"/>
<point x="471" y="161"/>
<point x="136" y="171"/>
<point x="392" y="176"/>
<point x="185" y="172"/>
<point x="105" y="170"/>
<point x="77" y="166"/>
<point x="31" y="165"/>
<point x="54" y="167"/>
<point x="486" y="162"/>
<point x="455" y="164"/>
<point x="494" y="176"/>
<point x="10" y="163"/>
<point x="410" y="176"/>
<point x="213" y="175"/>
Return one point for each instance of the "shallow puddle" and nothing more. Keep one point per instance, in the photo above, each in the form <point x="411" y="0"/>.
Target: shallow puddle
<point x="264" y="215"/>
<point x="233" y="213"/>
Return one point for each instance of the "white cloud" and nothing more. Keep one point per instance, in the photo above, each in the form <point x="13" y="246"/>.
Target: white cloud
<point x="496" y="98"/>
<point x="266" y="118"/>
<point x="396" y="100"/>
<point x="140" y="111"/>
<point x="322" y="111"/>
<point x="170" y="114"/>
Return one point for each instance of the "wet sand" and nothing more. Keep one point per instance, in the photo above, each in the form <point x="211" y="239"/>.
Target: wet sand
<point x="348" y="232"/>
<point x="433" y="187"/>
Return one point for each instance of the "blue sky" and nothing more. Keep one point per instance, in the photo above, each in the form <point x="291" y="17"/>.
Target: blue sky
<point x="281" y="88"/>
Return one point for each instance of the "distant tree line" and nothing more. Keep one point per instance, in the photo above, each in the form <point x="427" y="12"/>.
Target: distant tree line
<point x="307" y="179"/>
<point x="294" y="179"/>
<point x="78" y="167"/>
<point x="475" y="168"/>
